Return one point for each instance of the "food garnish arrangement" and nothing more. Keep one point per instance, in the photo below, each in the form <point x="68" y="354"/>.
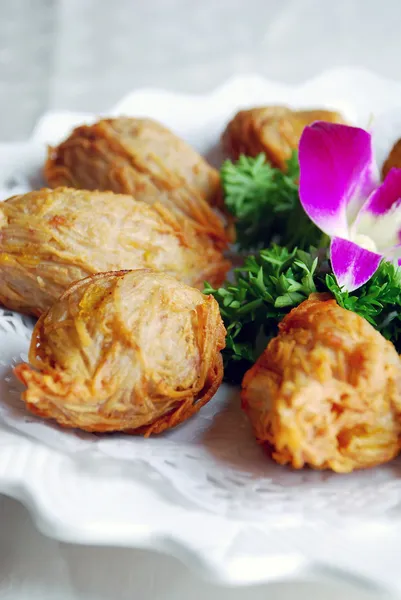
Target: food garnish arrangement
<point x="155" y="277"/>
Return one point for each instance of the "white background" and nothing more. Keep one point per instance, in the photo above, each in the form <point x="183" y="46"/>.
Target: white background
<point x="85" y="55"/>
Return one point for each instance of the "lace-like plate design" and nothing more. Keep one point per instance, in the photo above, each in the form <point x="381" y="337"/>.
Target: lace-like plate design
<point x="205" y="492"/>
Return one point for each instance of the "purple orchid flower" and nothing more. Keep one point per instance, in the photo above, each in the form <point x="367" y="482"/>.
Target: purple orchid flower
<point x="340" y="191"/>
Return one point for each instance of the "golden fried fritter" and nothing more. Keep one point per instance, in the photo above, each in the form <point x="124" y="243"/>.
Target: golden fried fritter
<point x="142" y="158"/>
<point x="393" y="159"/>
<point x="326" y="392"/>
<point x="274" y="130"/>
<point x="132" y="351"/>
<point x="51" y="238"/>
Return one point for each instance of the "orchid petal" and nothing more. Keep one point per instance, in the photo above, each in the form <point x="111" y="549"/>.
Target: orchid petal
<point x="337" y="174"/>
<point x="393" y="254"/>
<point x="352" y="265"/>
<point x="380" y="217"/>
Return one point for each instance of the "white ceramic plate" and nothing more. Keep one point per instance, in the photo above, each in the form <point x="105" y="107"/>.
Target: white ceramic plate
<point x="205" y="493"/>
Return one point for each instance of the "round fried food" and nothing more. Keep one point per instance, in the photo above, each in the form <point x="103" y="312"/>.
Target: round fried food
<point x="326" y="392"/>
<point x="273" y="130"/>
<point x="130" y="351"/>
<point x="51" y="238"/>
<point x="142" y="158"/>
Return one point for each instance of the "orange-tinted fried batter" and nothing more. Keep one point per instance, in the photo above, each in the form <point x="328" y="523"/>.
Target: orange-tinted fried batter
<point x="393" y="159"/>
<point x="326" y="392"/>
<point x="274" y="130"/>
<point x="142" y="158"/>
<point x="51" y="238"/>
<point x="133" y="351"/>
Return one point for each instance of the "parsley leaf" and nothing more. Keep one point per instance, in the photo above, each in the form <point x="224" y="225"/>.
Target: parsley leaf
<point x="275" y="280"/>
<point x="378" y="300"/>
<point x="265" y="202"/>
<point x="264" y="290"/>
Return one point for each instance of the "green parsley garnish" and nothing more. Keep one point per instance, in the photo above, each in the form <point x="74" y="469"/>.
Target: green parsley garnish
<point x="264" y="290"/>
<point x="378" y="300"/>
<point x="276" y="280"/>
<point x="265" y="203"/>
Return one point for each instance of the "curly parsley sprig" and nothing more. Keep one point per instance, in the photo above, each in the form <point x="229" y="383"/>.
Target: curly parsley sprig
<point x="267" y="286"/>
<point x="378" y="300"/>
<point x="265" y="202"/>
<point x="276" y="280"/>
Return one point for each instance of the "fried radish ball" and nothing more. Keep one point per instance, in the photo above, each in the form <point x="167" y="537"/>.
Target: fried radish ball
<point x="51" y="238"/>
<point x="393" y="159"/>
<point x="142" y="158"/>
<point x="133" y="351"/>
<point x="326" y="392"/>
<point x="274" y="130"/>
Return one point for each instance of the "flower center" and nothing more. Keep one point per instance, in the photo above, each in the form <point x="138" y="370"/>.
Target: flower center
<point x="364" y="241"/>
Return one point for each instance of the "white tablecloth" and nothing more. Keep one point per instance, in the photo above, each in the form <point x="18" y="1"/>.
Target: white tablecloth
<point x="84" y="55"/>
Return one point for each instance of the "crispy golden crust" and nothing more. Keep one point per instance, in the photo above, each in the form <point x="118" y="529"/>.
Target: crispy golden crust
<point x="274" y="130"/>
<point x="327" y="391"/>
<point x="142" y="158"/>
<point x="393" y="159"/>
<point x="51" y="238"/>
<point x="132" y="351"/>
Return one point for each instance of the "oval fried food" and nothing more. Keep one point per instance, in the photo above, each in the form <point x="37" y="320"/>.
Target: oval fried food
<point x="142" y="158"/>
<point x="133" y="351"/>
<point x="273" y="130"/>
<point x="51" y="238"/>
<point x="326" y="392"/>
